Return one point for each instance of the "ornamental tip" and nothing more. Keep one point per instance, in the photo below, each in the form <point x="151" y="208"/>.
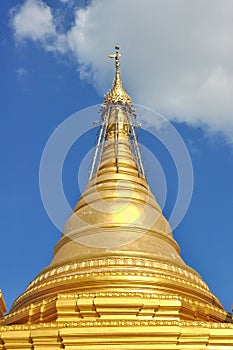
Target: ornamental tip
<point x="117" y="93"/>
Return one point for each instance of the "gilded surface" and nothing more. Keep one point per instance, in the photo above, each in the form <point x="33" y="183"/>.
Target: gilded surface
<point x="117" y="93"/>
<point x="117" y="280"/>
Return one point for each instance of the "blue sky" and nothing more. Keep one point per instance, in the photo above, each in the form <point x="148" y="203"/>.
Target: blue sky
<point x="53" y="68"/>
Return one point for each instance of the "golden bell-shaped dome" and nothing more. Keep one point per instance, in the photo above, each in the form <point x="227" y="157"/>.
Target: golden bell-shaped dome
<point x="117" y="247"/>
<point x="117" y="208"/>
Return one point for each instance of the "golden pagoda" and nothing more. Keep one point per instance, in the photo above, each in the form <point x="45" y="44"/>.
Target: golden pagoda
<point x="117" y="280"/>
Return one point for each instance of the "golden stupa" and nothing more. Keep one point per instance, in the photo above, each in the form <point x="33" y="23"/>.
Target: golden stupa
<point x="117" y="280"/>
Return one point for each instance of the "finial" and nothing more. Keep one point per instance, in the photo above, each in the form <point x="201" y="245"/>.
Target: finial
<point x="117" y="93"/>
<point x="117" y="56"/>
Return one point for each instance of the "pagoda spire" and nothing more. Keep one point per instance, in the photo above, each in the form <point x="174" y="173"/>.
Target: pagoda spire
<point x="117" y="137"/>
<point x="117" y="93"/>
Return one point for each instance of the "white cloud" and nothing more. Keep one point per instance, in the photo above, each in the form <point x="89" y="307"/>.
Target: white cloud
<point x="33" y="20"/>
<point x="21" y="72"/>
<point x="176" y="55"/>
